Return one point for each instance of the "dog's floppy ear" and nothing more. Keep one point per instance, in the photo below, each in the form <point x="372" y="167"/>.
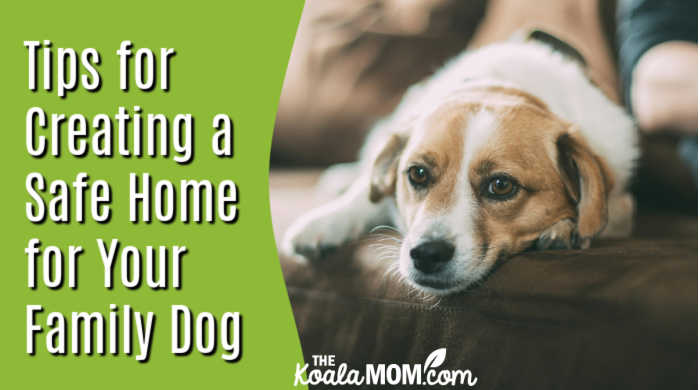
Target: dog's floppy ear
<point x="587" y="182"/>
<point x="383" y="177"/>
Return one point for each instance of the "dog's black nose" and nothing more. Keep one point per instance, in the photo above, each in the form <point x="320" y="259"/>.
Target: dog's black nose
<point x="431" y="256"/>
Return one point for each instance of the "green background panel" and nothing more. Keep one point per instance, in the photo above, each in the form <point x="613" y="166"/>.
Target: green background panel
<point x="231" y="58"/>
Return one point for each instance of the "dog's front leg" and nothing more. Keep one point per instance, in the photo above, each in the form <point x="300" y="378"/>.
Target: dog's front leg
<point x="331" y="225"/>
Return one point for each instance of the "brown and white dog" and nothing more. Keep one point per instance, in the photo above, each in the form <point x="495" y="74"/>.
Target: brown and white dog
<point x="507" y="147"/>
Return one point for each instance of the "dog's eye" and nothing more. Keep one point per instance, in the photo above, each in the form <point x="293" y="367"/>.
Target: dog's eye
<point x="501" y="188"/>
<point x="418" y="176"/>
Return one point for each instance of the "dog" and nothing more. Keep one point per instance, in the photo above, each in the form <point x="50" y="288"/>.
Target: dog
<point x="506" y="148"/>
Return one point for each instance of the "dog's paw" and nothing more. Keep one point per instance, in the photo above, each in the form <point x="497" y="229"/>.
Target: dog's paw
<point x="313" y="237"/>
<point x="562" y="235"/>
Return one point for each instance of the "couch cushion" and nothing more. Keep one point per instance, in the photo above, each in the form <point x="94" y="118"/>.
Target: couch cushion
<point x="621" y="314"/>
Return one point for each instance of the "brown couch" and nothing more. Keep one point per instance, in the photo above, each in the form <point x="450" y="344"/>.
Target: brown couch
<point x="622" y="314"/>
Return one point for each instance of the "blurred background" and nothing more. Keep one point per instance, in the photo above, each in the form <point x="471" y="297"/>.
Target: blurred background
<point x="352" y="61"/>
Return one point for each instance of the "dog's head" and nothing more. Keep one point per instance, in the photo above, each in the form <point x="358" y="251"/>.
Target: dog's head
<point x="480" y="177"/>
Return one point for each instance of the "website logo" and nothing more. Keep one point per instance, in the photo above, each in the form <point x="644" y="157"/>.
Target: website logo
<point x="325" y="371"/>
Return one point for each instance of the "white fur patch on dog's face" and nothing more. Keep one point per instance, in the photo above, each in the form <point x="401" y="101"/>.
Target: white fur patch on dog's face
<point x="476" y="182"/>
<point x="452" y="220"/>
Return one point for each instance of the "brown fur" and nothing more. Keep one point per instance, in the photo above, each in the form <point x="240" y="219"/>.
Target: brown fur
<point x="521" y="148"/>
<point x="559" y="177"/>
<point x="383" y="176"/>
<point x="590" y="182"/>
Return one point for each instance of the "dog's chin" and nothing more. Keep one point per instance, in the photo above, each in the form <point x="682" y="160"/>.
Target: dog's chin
<point x="446" y="282"/>
<point x="436" y="285"/>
